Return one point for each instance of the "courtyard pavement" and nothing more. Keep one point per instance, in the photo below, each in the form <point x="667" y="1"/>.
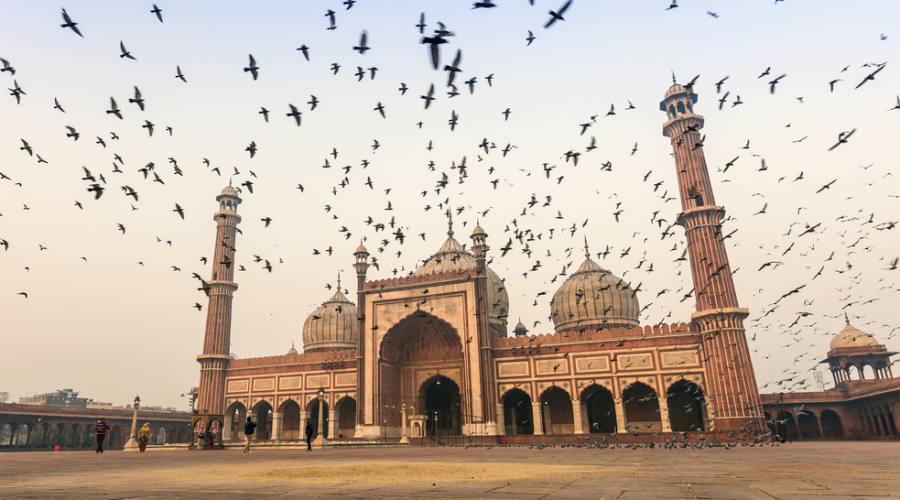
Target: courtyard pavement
<point x="799" y="470"/>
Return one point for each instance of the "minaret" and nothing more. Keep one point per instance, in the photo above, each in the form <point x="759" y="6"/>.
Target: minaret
<point x="485" y="338"/>
<point x="361" y="265"/>
<point x="731" y="385"/>
<point x="217" y="338"/>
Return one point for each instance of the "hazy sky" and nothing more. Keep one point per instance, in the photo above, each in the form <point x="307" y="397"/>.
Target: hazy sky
<point x="112" y="328"/>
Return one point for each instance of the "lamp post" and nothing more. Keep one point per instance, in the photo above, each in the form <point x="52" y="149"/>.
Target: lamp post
<point x="404" y="438"/>
<point x="132" y="443"/>
<point x="319" y="441"/>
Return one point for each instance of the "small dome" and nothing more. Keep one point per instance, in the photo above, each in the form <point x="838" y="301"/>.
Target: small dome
<point x="593" y="298"/>
<point x="333" y="325"/>
<point x="292" y="350"/>
<point x="676" y="88"/>
<point x="851" y="336"/>
<point x="229" y="190"/>
<point x="478" y="231"/>
<point x="453" y="257"/>
<point x="361" y="249"/>
<point x="520" y="329"/>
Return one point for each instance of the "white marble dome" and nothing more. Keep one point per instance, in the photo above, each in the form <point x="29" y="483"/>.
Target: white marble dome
<point x="333" y="325"/>
<point x="592" y="297"/>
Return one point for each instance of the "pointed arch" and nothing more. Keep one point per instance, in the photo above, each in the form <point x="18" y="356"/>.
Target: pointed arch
<point x="517" y="412"/>
<point x="641" y="405"/>
<point x="600" y="407"/>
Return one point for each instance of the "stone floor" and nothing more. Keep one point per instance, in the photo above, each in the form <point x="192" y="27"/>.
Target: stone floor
<point x="799" y="470"/>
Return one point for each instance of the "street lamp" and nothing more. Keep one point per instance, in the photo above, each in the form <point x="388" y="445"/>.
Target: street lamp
<point x="132" y="443"/>
<point x="319" y="442"/>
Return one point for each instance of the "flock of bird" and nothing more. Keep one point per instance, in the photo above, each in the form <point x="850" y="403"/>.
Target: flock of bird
<point x="527" y="233"/>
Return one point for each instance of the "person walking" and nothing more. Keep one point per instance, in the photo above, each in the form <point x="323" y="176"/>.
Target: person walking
<point x="144" y="437"/>
<point x="101" y="429"/>
<point x="249" y="429"/>
<point x="309" y="435"/>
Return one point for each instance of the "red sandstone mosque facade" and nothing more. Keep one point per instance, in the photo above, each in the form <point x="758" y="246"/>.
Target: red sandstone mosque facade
<point x="429" y="354"/>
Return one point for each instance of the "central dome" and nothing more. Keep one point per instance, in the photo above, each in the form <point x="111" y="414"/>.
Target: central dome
<point x="593" y="298"/>
<point x="452" y="256"/>
<point x="333" y="325"/>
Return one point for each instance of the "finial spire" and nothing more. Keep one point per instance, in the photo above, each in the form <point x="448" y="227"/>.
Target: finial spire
<point x="449" y="221"/>
<point x="339" y="281"/>
<point x="229" y="181"/>
<point x="846" y="318"/>
<point x="587" y="250"/>
<point x="673" y="77"/>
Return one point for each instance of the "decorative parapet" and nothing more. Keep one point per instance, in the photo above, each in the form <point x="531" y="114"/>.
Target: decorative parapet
<point x="600" y="334"/>
<point x="338" y="356"/>
<point x="416" y="279"/>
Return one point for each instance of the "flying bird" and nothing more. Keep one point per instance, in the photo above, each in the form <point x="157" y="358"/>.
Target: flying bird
<point x="156" y="10"/>
<point x="558" y="15"/>
<point x="69" y="23"/>
<point x="253" y="69"/>
<point x="124" y="52"/>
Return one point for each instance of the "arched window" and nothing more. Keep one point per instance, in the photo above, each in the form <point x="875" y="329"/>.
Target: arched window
<point x="680" y="107"/>
<point x="671" y="111"/>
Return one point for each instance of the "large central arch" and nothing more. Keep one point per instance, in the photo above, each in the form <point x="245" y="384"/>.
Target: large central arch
<point x="419" y="347"/>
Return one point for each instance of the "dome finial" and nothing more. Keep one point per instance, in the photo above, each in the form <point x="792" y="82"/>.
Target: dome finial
<point x="449" y="221"/>
<point x="339" y="281"/>
<point x="587" y="250"/>
<point x="846" y="318"/>
<point x="673" y="77"/>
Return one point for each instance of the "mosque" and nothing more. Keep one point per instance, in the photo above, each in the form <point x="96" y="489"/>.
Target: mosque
<point x="431" y="355"/>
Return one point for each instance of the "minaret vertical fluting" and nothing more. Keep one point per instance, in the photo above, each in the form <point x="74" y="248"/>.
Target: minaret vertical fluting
<point x="485" y="338"/>
<point x="361" y="265"/>
<point x="217" y="337"/>
<point x="731" y="385"/>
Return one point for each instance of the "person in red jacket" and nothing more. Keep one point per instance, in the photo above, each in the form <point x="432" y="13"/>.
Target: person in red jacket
<point x="101" y="429"/>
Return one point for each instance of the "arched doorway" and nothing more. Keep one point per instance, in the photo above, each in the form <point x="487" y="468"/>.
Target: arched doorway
<point x="418" y="342"/>
<point x="556" y="411"/>
<point x="115" y="438"/>
<point x="238" y="413"/>
<point x="807" y="425"/>
<point x="641" y="408"/>
<point x="440" y="400"/>
<point x="291" y="427"/>
<point x="601" y="409"/>
<point x="785" y="425"/>
<point x="345" y="413"/>
<point x="517" y="413"/>
<point x="687" y="407"/>
<point x="312" y="413"/>
<point x="262" y="415"/>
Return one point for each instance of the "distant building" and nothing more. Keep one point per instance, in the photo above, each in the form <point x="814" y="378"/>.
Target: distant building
<point x="60" y="397"/>
<point x="864" y="403"/>
<point x="4" y="397"/>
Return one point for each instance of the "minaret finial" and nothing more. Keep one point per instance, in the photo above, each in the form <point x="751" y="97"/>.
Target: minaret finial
<point x="587" y="250"/>
<point x="846" y="318"/>
<point x="339" y="281"/>
<point x="673" y="77"/>
<point x="229" y="181"/>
